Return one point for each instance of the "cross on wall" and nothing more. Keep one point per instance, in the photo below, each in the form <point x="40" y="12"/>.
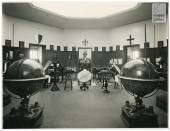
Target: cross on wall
<point x="130" y="39"/>
<point x="85" y="42"/>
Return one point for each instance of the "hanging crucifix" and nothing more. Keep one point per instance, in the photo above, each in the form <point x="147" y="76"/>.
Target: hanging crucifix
<point x="130" y="40"/>
<point x="85" y="42"/>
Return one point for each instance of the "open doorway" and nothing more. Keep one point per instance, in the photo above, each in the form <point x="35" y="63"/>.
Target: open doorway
<point x="131" y="52"/>
<point x="35" y="52"/>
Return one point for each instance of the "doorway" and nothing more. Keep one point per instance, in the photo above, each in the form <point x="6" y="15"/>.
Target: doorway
<point x="36" y="52"/>
<point x="131" y="52"/>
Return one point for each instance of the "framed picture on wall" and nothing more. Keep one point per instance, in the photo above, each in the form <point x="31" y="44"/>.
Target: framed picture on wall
<point x="103" y="48"/>
<point x="95" y="48"/>
<point x="110" y="48"/>
<point x="58" y="48"/>
<point x="85" y="53"/>
<point x="85" y="57"/>
<point x="65" y="48"/>
<point x="160" y="43"/>
<point x="74" y="48"/>
<point x="8" y="43"/>
<point x="146" y="45"/>
<point x="51" y="47"/>
<point x="117" y="47"/>
<point x="21" y="44"/>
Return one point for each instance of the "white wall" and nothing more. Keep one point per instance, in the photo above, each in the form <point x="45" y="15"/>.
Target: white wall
<point x="94" y="37"/>
<point x="26" y="31"/>
<point x="137" y="30"/>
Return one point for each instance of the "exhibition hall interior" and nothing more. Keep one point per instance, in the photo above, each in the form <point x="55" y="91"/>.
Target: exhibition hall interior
<point x="77" y="64"/>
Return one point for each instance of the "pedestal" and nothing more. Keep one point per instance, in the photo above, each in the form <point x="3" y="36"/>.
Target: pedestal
<point x="55" y="87"/>
<point x="84" y="86"/>
<point x="142" y="117"/>
<point x="106" y="91"/>
<point x="24" y="118"/>
<point x="105" y="85"/>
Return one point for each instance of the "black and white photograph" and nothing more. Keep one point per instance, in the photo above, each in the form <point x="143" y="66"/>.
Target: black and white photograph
<point x="85" y="64"/>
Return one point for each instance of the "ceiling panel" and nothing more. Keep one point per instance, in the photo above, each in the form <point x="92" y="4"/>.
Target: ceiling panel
<point x="29" y="12"/>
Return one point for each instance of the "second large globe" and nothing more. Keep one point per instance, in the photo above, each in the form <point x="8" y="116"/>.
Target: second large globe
<point x="24" y="77"/>
<point x="139" y="77"/>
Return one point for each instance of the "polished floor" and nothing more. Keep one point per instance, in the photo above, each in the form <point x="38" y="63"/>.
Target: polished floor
<point x="86" y="109"/>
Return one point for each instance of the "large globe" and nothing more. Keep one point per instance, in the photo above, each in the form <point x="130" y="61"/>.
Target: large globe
<point x="24" y="77"/>
<point x="139" y="77"/>
<point x="84" y="75"/>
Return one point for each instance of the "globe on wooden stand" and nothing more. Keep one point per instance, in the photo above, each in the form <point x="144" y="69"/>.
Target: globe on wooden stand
<point x="23" y="79"/>
<point x="105" y="77"/>
<point x="56" y="77"/>
<point x="140" y="79"/>
<point x="84" y="76"/>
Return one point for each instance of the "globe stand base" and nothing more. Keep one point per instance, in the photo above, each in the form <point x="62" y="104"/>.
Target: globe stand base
<point x="28" y="116"/>
<point x="136" y="116"/>
<point x="84" y="87"/>
<point x="105" y="85"/>
<point x="6" y="99"/>
<point x="106" y="91"/>
<point x="55" y="88"/>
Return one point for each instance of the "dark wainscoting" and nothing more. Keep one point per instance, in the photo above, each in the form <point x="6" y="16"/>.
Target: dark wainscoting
<point x="99" y="58"/>
<point x="102" y="58"/>
<point x="154" y="53"/>
<point x="16" y="52"/>
<point x="66" y="58"/>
